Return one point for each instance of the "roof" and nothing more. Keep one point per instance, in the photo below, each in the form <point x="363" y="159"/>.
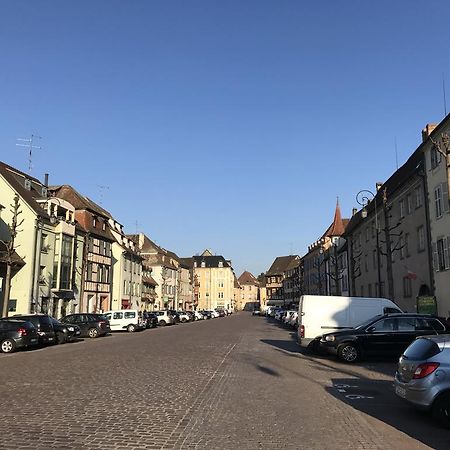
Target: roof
<point x="15" y="258"/>
<point x="210" y="261"/>
<point x="79" y="201"/>
<point x="248" y="279"/>
<point x="16" y="179"/>
<point x="281" y="264"/>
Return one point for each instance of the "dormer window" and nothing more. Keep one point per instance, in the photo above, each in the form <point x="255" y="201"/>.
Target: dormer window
<point x="104" y="225"/>
<point x="220" y="263"/>
<point x="94" y="221"/>
<point x="203" y="264"/>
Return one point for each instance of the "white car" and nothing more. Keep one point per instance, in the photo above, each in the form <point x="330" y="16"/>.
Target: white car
<point x="125" y="319"/>
<point x="287" y="317"/>
<point x="214" y="314"/>
<point x="164" y="318"/>
<point x="293" y="322"/>
<point x="198" y="315"/>
<point x="183" y="317"/>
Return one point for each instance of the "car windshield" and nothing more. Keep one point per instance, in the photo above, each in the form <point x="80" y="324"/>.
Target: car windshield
<point x="368" y="322"/>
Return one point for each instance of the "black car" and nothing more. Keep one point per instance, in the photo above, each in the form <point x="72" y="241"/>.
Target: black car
<point x="150" y="319"/>
<point x="43" y="325"/>
<point x="91" y="325"/>
<point x="383" y="335"/>
<point x="65" y="332"/>
<point x="176" y="316"/>
<point x="15" y="334"/>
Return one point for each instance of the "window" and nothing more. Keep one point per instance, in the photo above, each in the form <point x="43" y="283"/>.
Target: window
<point x="438" y="201"/>
<point x="435" y="157"/>
<point x="366" y="263"/>
<point x="406" y="287"/>
<point x="406" y="323"/>
<point x="118" y="315"/>
<point x="44" y="243"/>
<point x="130" y="315"/>
<point x="442" y="254"/>
<point x="402" y="208"/>
<point x="220" y="294"/>
<point x="418" y="197"/>
<point x="401" y="247"/>
<point x="421" y="239"/>
<point x="374" y="259"/>
<point x="407" y="245"/>
<point x="409" y="204"/>
<point x="94" y="221"/>
<point x="384" y="325"/>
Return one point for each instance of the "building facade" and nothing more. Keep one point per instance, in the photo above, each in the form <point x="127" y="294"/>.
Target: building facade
<point x="250" y="292"/>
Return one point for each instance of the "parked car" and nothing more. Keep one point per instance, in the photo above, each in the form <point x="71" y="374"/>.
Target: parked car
<point x="206" y="314"/>
<point x="91" y="325"/>
<point x="198" y="315"/>
<point x="287" y="317"/>
<point x="191" y="315"/>
<point x="184" y="317"/>
<point x="164" y="318"/>
<point x="423" y="376"/>
<point x="150" y="319"/>
<point x="65" y="332"/>
<point x="125" y="319"/>
<point x="384" y="335"/>
<point x="43" y="325"/>
<point x="319" y="314"/>
<point x="256" y="312"/>
<point x="293" y="320"/>
<point x="15" y="334"/>
<point x="175" y="315"/>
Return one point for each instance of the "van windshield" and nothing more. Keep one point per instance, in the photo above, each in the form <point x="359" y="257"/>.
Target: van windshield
<point x="368" y="322"/>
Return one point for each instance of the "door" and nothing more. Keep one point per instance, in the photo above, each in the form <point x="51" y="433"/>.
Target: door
<point x="379" y="338"/>
<point x="406" y="333"/>
<point x="116" y="322"/>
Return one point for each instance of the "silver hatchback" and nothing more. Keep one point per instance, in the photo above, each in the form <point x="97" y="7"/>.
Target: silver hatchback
<point x="423" y="376"/>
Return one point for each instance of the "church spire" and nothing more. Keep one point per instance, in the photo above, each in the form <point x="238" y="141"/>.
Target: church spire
<point x="337" y="227"/>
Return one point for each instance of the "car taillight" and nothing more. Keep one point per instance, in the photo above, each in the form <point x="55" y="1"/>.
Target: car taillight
<point x="22" y="332"/>
<point x="424" y="370"/>
<point x="302" y="331"/>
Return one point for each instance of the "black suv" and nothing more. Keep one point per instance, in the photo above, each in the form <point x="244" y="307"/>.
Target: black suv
<point x="43" y="324"/>
<point x="65" y="332"/>
<point x="16" y="334"/>
<point x="91" y="325"/>
<point x="383" y="335"/>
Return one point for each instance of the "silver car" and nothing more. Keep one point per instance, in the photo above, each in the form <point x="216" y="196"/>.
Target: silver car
<point x="423" y="376"/>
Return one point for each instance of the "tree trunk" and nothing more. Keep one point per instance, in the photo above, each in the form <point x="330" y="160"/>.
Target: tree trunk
<point x="7" y="289"/>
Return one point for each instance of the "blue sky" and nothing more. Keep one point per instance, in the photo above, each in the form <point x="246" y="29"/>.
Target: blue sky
<point x="232" y="125"/>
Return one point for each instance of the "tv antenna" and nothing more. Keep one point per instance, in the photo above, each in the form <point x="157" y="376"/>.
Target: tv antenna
<point x="102" y="191"/>
<point x="443" y="91"/>
<point x="29" y="143"/>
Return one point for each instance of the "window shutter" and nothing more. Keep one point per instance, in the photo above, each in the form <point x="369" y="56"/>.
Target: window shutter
<point x="446" y="262"/>
<point x="445" y="204"/>
<point x="435" y="257"/>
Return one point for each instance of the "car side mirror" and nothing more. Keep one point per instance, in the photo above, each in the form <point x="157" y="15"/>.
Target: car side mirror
<point x="370" y="330"/>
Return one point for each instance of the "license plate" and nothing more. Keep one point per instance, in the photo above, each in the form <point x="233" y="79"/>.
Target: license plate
<point x="400" y="391"/>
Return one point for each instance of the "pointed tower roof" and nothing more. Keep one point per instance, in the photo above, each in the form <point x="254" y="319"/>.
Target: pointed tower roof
<point x="337" y="228"/>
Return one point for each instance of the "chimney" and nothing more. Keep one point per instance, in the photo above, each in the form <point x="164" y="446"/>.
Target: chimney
<point x="428" y="130"/>
<point x="46" y="180"/>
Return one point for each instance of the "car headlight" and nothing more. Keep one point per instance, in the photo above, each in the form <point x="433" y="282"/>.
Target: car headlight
<point x="330" y="338"/>
<point x="70" y="328"/>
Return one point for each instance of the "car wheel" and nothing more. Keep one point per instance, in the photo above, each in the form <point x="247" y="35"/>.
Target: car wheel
<point x="441" y="410"/>
<point x="131" y="328"/>
<point x="93" y="333"/>
<point x="348" y="353"/>
<point x="8" y="346"/>
<point x="183" y="320"/>
<point x="60" y="338"/>
<point x="162" y="323"/>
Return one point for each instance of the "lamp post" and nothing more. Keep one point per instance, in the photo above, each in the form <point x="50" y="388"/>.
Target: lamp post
<point x="363" y="198"/>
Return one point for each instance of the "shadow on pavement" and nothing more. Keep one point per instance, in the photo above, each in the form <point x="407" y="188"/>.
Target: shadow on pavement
<point x="377" y="399"/>
<point x="268" y="370"/>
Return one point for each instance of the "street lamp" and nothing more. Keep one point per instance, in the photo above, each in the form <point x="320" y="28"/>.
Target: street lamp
<point x="363" y="198"/>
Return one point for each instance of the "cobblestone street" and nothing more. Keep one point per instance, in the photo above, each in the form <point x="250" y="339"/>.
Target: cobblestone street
<point x="232" y="383"/>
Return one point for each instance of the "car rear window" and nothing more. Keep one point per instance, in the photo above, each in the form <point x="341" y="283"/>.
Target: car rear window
<point x="421" y="349"/>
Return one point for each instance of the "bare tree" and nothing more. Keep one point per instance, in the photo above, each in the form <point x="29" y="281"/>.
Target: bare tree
<point x="10" y="247"/>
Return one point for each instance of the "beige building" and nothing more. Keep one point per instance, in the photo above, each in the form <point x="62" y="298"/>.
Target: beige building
<point x="95" y="257"/>
<point x="48" y="245"/>
<point x="185" y="290"/>
<point x="215" y="281"/>
<point x="250" y="292"/>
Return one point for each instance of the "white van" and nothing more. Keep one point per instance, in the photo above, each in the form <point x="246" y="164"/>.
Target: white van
<point x="125" y="319"/>
<point x="319" y="314"/>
